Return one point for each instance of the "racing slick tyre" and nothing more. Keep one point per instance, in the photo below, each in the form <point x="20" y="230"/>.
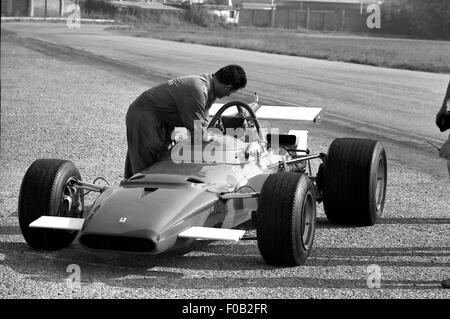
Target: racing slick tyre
<point x="286" y="219"/>
<point x="354" y="181"/>
<point x="45" y="192"/>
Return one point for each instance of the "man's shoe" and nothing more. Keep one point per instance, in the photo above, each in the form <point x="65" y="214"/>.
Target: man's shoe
<point x="446" y="283"/>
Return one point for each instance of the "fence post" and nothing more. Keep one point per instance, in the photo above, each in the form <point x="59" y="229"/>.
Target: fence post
<point x="9" y="9"/>
<point x="272" y="17"/>
<point x="30" y="8"/>
<point x="61" y="8"/>
<point x="308" y="17"/>
<point x="343" y="20"/>
<point x="323" y="20"/>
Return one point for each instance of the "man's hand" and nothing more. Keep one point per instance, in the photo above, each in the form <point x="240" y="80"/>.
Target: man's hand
<point x="443" y="118"/>
<point x="211" y="134"/>
<point x="207" y="137"/>
<point x="179" y="134"/>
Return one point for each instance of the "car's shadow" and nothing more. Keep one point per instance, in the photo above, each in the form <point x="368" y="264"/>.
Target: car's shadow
<point x="322" y="222"/>
<point x="218" y="265"/>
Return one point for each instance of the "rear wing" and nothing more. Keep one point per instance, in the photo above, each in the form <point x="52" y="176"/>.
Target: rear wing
<point x="276" y="112"/>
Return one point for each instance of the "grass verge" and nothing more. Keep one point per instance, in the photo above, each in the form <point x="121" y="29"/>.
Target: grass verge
<point x="419" y="55"/>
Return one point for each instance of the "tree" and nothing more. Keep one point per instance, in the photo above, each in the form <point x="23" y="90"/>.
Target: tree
<point x="417" y="18"/>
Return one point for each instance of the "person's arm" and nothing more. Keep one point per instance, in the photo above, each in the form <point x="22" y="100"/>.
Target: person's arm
<point x="192" y="110"/>
<point x="447" y="96"/>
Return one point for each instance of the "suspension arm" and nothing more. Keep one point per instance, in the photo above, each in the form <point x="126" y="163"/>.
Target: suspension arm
<point x="88" y="186"/>
<point x="298" y="160"/>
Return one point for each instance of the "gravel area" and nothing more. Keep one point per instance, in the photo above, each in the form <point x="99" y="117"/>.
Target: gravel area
<point x="53" y="108"/>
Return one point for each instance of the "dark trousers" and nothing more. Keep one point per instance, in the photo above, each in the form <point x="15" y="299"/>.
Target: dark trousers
<point x="147" y="136"/>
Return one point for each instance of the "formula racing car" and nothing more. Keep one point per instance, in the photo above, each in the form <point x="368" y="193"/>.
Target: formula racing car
<point x="206" y="191"/>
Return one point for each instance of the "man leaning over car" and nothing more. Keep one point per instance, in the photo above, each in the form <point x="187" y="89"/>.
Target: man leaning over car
<point x="182" y="101"/>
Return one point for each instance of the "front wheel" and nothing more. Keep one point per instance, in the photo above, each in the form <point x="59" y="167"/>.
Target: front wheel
<point x="46" y="191"/>
<point x="286" y="219"/>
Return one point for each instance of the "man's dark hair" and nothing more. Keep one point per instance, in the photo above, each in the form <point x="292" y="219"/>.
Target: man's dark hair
<point x="232" y="74"/>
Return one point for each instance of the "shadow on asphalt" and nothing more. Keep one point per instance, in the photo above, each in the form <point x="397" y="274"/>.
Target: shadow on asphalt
<point x="135" y="271"/>
<point x="322" y="222"/>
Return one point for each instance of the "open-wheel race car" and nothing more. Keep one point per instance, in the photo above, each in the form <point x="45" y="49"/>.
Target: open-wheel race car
<point x="206" y="191"/>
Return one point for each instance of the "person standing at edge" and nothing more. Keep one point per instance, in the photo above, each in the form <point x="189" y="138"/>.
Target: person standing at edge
<point x="182" y="101"/>
<point x="443" y="122"/>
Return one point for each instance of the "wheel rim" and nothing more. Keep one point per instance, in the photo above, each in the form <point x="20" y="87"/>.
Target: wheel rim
<point x="308" y="221"/>
<point x="380" y="189"/>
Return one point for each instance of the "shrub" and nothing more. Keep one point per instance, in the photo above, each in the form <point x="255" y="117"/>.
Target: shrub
<point x="98" y="9"/>
<point x="195" y="15"/>
<point x="417" y="18"/>
<point x="198" y="15"/>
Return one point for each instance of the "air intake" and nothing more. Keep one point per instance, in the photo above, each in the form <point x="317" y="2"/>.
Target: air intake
<point x="118" y="243"/>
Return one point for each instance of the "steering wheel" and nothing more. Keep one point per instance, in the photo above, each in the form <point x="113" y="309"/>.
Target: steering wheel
<point x="240" y="106"/>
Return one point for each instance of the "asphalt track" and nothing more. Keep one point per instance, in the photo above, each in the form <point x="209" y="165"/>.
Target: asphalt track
<point x="65" y="93"/>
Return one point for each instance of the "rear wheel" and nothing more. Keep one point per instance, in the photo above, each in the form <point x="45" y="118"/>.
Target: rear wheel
<point x="354" y="181"/>
<point x="46" y="191"/>
<point x="286" y="219"/>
